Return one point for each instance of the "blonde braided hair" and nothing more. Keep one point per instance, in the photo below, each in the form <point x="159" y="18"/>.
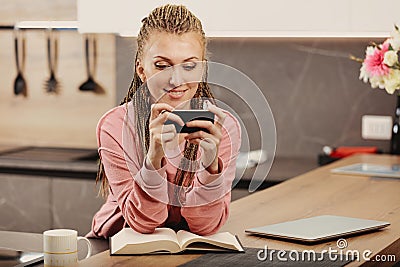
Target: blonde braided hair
<point x="175" y="19"/>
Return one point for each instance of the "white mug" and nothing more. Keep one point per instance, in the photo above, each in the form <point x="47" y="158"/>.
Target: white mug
<point x="60" y="247"/>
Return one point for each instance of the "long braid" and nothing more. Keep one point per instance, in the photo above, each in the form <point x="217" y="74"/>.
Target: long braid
<point x="175" y="19"/>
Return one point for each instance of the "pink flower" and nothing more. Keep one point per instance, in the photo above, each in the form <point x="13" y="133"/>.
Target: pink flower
<point x="374" y="62"/>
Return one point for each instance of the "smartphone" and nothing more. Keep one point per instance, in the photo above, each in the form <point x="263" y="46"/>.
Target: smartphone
<point x="191" y="115"/>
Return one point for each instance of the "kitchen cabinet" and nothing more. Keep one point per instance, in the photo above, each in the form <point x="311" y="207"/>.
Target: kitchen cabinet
<point x="48" y="187"/>
<point x="24" y="203"/>
<point x="252" y="17"/>
<point x="74" y="202"/>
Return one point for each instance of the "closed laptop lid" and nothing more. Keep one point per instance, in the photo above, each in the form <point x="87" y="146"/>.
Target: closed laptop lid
<point x="318" y="228"/>
<point x="367" y="169"/>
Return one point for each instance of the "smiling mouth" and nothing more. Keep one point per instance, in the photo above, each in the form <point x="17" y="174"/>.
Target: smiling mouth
<point x="175" y="92"/>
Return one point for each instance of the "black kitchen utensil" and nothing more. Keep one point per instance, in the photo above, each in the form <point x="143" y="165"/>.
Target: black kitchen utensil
<point x="90" y="84"/>
<point x="52" y="85"/>
<point x="20" y="86"/>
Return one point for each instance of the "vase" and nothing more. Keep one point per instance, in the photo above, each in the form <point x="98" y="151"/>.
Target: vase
<point x="395" y="140"/>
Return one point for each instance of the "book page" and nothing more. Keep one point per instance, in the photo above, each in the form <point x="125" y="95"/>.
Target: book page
<point x="224" y="240"/>
<point x="128" y="241"/>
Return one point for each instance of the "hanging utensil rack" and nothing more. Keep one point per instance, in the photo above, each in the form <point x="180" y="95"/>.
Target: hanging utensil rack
<point x="42" y="25"/>
<point x="51" y="85"/>
<point x="52" y="26"/>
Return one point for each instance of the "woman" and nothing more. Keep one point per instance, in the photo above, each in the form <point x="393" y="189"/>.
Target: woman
<point x="152" y="175"/>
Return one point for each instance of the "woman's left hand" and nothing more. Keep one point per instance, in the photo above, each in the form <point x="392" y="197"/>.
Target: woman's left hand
<point x="208" y="141"/>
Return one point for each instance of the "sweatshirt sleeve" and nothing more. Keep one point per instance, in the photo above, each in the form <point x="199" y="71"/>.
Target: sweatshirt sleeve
<point x="207" y="205"/>
<point x="140" y="191"/>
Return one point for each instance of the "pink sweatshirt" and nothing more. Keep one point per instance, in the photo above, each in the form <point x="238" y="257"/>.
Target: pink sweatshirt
<point x="140" y="196"/>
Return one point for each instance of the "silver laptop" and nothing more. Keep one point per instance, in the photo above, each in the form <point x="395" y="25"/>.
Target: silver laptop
<point x="318" y="228"/>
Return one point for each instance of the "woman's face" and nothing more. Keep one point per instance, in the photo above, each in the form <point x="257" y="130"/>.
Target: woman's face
<point x="171" y="65"/>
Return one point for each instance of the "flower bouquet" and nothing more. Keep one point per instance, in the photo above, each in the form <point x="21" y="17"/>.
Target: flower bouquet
<point x="381" y="67"/>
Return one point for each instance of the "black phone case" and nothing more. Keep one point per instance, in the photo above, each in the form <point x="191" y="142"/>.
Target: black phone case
<point x="191" y="115"/>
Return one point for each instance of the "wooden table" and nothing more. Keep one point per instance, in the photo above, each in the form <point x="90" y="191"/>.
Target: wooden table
<point x="317" y="192"/>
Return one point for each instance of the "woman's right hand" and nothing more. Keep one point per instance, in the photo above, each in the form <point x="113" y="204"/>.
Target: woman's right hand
<point x="161" y="136"/>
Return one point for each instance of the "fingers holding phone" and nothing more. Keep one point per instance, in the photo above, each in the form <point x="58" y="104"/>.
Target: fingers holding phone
<point x="160" y="113"/>
<point x="210" y="138"/>
<point x="208" y="128"/>
<point x="161" y="136"/>
<point x="202" y="127"/>
<point x="219" y="114"/>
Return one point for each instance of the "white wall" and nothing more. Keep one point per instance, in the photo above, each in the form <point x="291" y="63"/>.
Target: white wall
<point x="252" y="17"/>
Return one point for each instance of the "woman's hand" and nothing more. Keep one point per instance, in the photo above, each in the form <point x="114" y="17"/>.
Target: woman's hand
<point x="161" y="136"/>
<point x="208" y="141"/>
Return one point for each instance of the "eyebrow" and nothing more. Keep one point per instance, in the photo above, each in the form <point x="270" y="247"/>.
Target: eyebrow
<point x="169" y="60"/>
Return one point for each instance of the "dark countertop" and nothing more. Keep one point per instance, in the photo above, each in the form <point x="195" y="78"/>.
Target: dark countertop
<point x="50" y="161"/>
<point x="46" y="165"/>
<point x="288" y="167"/>
<point x="68" y="162"/>
<point x="282" y="168"/>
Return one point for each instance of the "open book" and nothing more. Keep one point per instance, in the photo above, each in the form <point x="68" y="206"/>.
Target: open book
<point x="128" y="242"/>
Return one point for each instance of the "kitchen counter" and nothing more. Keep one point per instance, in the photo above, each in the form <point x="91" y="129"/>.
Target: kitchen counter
<point x="61" y="162"/>
<point x="283" y="168"/>
<point x="68" y="162"/>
